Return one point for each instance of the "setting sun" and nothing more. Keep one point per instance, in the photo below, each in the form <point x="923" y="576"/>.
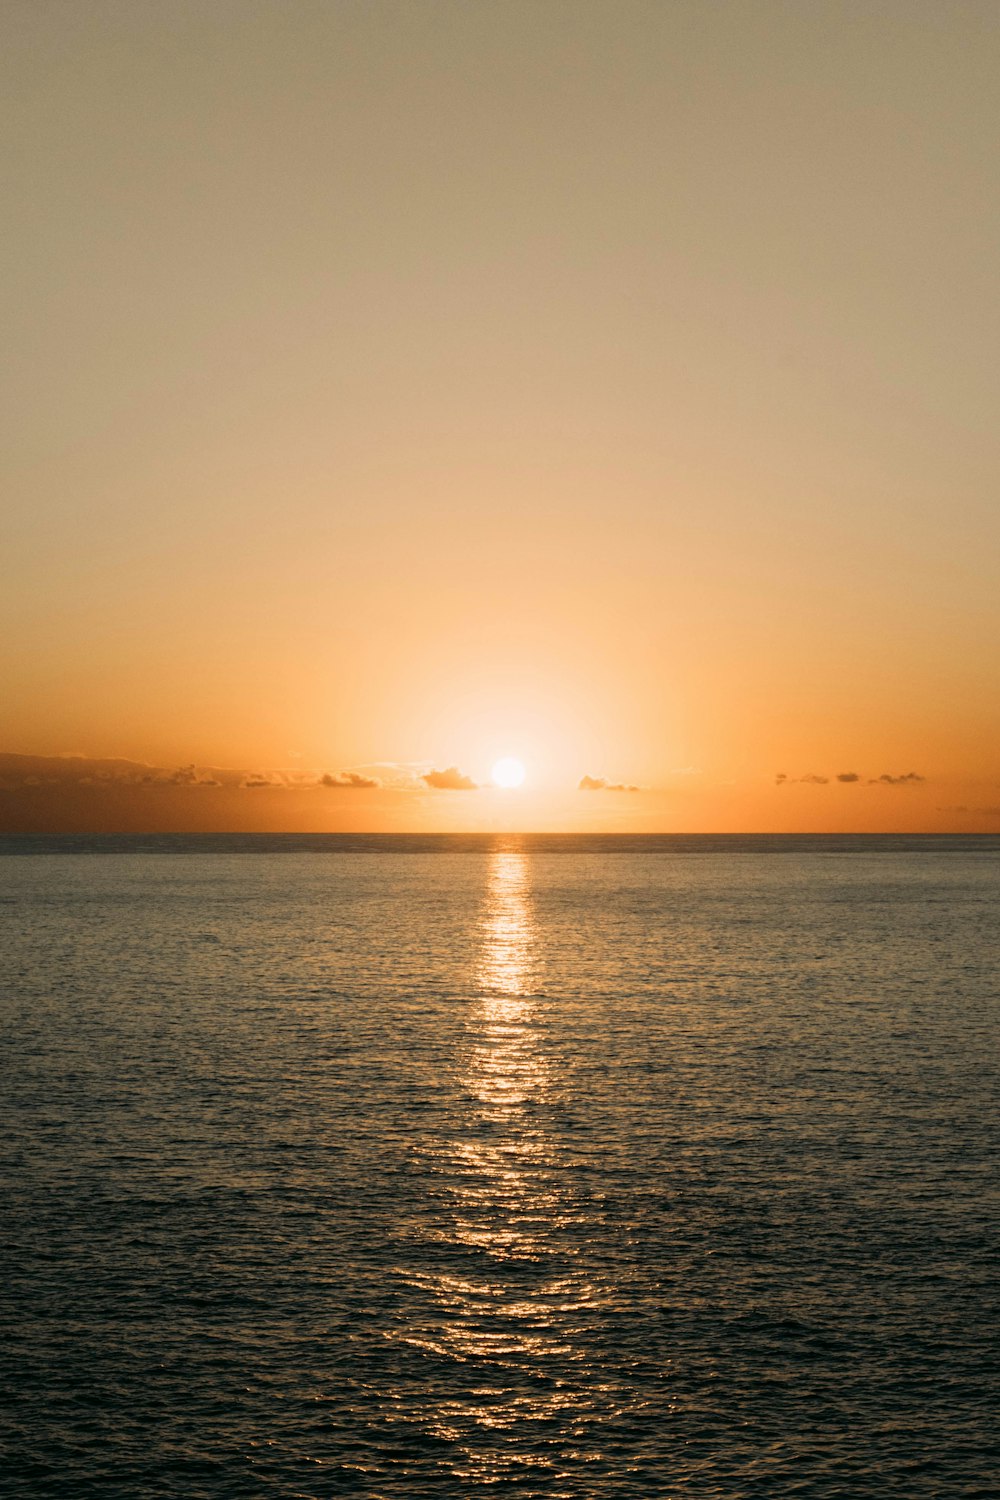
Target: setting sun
<point x="508" y="772"/>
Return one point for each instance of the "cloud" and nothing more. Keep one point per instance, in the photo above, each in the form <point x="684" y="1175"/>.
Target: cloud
<point x="601" y="784"/>
<point x="188" y="776"/>
<point x="909" y="779"/>
<point x="351" y="779"/>
<point x="450" y="780"/>
<point x="112" y="774"/>
<point x="813" y="779"/>
<point x="255" y="780"/>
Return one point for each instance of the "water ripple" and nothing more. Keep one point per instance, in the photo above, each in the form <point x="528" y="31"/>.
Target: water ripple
<point x="499" y="1169"/>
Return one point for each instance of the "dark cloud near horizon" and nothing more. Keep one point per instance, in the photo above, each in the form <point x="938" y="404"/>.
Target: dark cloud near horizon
<point x="353" y="780"/>
<point x="190" y="776"/>
<point x="449" y="780"/>
<point x="848" y="778"/>
<point x="74" y="769"/>
<point x="84" y="794"/>
<point x="82" y="770"/>
<point x="106" y="774"/>
<point x="601" y="784"/>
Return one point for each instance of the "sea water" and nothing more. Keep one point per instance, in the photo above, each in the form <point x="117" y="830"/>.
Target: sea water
<point x="514" y="1167"/>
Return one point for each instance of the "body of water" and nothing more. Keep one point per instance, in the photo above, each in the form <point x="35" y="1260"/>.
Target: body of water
<point x="529" y="1167"/>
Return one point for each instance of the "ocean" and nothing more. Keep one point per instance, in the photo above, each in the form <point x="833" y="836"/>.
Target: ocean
<point x="542" y="1166"/>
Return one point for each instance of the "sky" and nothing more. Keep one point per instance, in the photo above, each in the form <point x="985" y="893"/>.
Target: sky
<point x="390" y="387"/>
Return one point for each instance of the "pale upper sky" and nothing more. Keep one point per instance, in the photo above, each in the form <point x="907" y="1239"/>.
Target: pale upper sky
<point x="612" y="385"/>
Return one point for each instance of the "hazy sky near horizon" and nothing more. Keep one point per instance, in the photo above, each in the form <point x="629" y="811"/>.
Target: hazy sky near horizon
<point x="613" y="385"/>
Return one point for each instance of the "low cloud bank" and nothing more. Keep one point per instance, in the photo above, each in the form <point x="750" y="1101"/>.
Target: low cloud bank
<point x="189" y="776"/>
<point x="449" y="780"/>
<point x="350" y="779"/>
<point x="91" y="794"/>
<point x="848" y="778"/>
<point x="30" y="772"/>
<point x="90" y="771"/>
<point x="601" y="784"/>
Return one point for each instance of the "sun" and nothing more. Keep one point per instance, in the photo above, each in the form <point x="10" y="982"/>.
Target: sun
<point x="508" y="772"/>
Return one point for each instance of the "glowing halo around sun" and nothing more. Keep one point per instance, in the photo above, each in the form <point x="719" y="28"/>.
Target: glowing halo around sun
<point x="508" y="772"/>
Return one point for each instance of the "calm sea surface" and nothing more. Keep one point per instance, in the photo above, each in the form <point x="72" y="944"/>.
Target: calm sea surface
<point x="551" y="1167"/>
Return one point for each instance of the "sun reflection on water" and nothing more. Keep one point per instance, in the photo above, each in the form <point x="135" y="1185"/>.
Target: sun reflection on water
<point x="504" y="1067"/>
<point x="507" y="928"/>
<point x="505" y="1297"/>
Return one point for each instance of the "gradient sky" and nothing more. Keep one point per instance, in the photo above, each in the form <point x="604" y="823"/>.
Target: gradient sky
<point x="389" y="387"/>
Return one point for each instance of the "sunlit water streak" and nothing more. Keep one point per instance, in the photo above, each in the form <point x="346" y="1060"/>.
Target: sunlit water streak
<point x="503" y="1170"/>
<point x="516" y="1317"/>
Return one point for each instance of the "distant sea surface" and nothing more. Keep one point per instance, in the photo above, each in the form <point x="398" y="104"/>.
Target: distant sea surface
<point x="545" y="1166"/>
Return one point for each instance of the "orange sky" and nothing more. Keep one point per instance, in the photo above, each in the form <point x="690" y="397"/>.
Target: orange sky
<point x="389" y="387"/>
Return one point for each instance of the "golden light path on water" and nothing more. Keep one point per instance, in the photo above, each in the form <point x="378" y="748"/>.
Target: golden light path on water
<point x="513" y="1296"/>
